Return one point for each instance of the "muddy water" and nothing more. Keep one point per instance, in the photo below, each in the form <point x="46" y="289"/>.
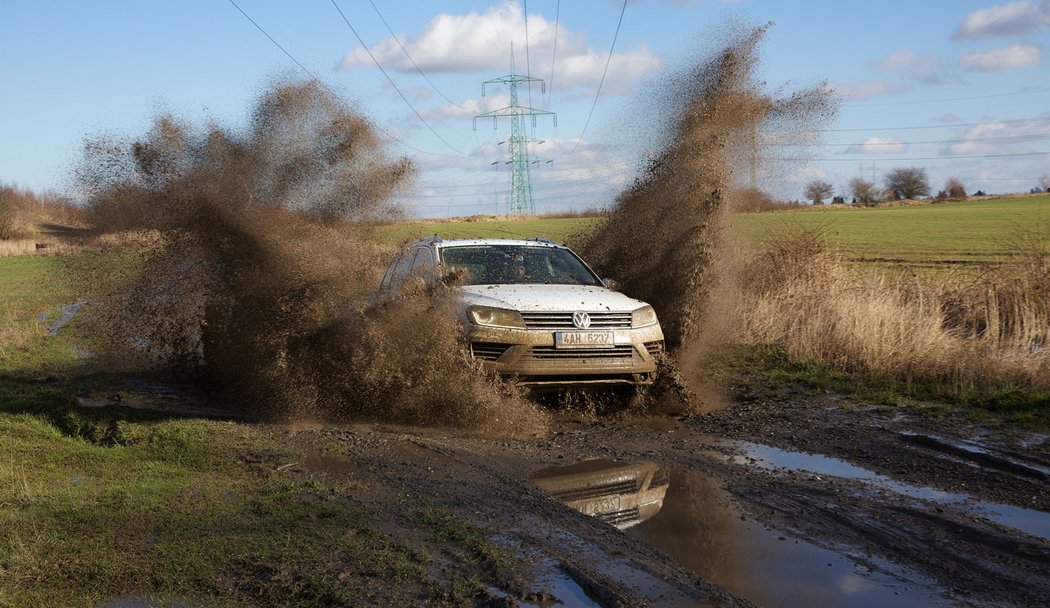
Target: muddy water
<point x="1036" y="523"/>
<point x="696" y="523"/>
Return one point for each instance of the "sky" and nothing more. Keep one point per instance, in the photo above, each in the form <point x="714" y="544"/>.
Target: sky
<point x="960" y="88"/>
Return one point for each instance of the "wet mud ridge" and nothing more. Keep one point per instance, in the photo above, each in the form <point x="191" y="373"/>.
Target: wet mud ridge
<point x="560" y="556"/>
<point x="769" y="502"/>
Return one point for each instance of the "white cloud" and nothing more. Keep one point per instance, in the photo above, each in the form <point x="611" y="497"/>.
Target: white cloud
<point x="878" y="145"/>
<point x="468" y="109"/>
<point x="927" y="70"/>
<point x="1012" y="19"/>
<point x="998" y="137"/>
<point x="482" y="42"/>
<point x="1014" y="56"/>
<point x="868" y="90"/>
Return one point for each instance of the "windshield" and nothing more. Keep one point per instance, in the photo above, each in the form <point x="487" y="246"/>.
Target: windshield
<point x="512" y="264"/>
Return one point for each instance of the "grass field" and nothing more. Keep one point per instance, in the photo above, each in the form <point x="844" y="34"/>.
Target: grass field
<point x="970" y="232"/>
<point x="558" y="229"/>
<point x="101" y="502"/>
<point x="942" y="234"/>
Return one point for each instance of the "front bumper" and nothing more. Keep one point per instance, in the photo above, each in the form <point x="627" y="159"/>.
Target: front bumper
<point x="531" y="357"/>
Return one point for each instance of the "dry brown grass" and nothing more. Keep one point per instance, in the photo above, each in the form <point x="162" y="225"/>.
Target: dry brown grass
<point x="988" y="332"/>
<point x="24" y="212"/>
<point x="12" y="247"/>
<point x="45" y="246"/>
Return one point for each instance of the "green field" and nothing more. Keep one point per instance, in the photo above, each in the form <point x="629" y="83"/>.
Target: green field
<point x="958" y="232"/>
<point x="558" y="229"/>
<point x="941" y="234"/>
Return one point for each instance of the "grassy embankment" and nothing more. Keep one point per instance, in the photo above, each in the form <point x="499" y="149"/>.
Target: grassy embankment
<point x="101" y="501"/>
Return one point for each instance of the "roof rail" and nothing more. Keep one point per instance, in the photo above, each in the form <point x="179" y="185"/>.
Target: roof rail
<point x="432" y="239"/>
<point x="541" y="240"/>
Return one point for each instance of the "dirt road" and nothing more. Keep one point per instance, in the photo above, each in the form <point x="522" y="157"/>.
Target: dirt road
<point x="784" y="498"/>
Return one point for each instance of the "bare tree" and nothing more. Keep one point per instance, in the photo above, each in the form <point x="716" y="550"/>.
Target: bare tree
<point x="1044" y="182"/>
<point x="818" y="190"/>
<point x="908" y="182"/>
<point x="954" y="188"/>
<point x="863" y="191"/>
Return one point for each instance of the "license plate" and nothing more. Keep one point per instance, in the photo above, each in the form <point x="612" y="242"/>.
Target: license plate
<point x="584" y="339"/>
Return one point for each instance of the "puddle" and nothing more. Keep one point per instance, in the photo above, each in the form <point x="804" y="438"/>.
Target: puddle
<point x="568" y="592"/>
<point x="701" y="530"/>
<point x="329" y="466"/>
<point x="553" y="587"/>
<point x="696" y="524"/>
<point x="623" y="494"/>
<point x="1036" y="523"/>
<point x="154" y="397"/>
<point x="67" y="313"/>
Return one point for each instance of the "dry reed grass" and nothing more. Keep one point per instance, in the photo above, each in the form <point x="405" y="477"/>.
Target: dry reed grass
<point x="984" y="333"/>
<point x="47" y="246"/>
<point x="14" y="247"/>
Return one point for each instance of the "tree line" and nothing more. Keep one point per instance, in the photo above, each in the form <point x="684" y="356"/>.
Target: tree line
<point x="898" y="184"/>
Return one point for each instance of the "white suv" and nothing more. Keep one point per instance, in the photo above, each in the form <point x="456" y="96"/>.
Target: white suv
<point x="534" y="311"/>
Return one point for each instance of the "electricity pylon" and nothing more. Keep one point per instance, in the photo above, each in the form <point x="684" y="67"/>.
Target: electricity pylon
<point x="520" y="199"/>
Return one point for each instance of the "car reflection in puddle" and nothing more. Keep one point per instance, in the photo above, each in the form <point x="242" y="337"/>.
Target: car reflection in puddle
<point x="692" y="519"/>
<point x="623" y="494"/>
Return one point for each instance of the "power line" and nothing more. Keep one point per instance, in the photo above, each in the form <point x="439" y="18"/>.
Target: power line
<point x="945" y="126"/>
<point x="554" y="57"/>
<point x="321" y="82"/>
<point x="391" y="80"/>
<point x="528" y="62"/>
<point x="277" y="44"/>
<point x="908" y="103"/>
<point x="405" y="51"/>
<point x="853" y="160"/>
<point x="1019" y="138"/>
<point x="602" y="81"/>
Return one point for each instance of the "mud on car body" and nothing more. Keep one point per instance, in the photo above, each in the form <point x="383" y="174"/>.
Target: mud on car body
<point x="533" y="310"/>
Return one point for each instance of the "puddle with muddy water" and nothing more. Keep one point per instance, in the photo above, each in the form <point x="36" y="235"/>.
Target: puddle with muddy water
<point x="1036" y="523"/>
<point x="692" y="519"/>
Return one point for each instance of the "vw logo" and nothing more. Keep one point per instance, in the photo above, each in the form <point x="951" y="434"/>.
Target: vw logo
<point x="581" y="319"/>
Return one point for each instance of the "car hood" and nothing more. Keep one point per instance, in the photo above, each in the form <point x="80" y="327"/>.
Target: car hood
<point x="547" y="298"/>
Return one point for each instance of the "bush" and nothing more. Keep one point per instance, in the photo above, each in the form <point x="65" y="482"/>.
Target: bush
<point x="8" y="215"/>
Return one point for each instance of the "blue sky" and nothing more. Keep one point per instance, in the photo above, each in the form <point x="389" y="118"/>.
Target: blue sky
<point x="960" y="87"/>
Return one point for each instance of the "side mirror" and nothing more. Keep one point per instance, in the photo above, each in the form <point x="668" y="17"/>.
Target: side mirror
<point x="611" y="283"/>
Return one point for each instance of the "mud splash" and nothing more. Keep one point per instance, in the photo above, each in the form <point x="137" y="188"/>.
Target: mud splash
<point x="240" y="274"/>
<point x="664" y="240"/>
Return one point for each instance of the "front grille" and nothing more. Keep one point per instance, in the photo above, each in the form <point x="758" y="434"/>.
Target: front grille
<point x="563" y="320"/>
<point x="488" y="351"/>
<point x="621" y="519"/>
<point x="547" y="353"/>
<point x="616" y="488"/>
<point x="654" y="348"/>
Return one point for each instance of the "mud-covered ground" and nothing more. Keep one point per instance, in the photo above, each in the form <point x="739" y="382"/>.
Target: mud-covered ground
<point x="785" y="497"/>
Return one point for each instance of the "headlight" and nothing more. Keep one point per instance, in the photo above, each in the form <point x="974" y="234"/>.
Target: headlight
<point x="495" y="317"/>
<point x="643" y="316"/>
